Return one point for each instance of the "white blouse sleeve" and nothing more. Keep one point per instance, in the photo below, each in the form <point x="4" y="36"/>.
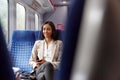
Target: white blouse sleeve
<point x="32" y="60"/>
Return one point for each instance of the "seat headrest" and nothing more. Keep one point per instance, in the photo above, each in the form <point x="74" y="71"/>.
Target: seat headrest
<point x="23" y="35"/>
<point x="37" y="34"/>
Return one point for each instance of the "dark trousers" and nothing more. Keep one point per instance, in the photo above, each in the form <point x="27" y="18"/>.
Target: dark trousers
<point x="45" y="71"/>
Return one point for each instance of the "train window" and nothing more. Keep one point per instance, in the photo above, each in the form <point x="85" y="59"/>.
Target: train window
<point x="4" y="17"/>
<point x="20" y="19"/>
<point x="36" y="22"/>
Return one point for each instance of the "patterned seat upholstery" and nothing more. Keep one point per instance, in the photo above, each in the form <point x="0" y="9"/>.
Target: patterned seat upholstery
<point x="20" y="48"/>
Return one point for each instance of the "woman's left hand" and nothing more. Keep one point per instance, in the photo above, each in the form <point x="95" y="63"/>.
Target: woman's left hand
<point x="39" y="62"/>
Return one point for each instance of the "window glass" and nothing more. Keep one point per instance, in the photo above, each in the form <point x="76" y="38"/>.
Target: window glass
<point x="4" y="17"/>
<point x="20" y="12"/>
<point x="36" y="22"/>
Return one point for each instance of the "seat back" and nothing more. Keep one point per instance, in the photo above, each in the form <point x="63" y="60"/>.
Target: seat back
<point x="20" y="50"/>
<point x="37" y="34"/>
<point x="60" y="34"/>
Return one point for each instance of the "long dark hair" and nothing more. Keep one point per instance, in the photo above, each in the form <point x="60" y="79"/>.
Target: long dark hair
<point x="54" y="35"/>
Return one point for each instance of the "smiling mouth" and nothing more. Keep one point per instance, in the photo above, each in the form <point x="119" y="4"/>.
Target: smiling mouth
<point x="46" y="34"/>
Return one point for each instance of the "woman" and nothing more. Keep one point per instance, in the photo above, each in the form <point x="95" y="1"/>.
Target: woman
<point x="46" y="53"/>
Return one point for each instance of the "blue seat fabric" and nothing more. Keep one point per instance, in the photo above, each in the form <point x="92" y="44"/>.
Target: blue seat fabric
<point x="21" y="46"/>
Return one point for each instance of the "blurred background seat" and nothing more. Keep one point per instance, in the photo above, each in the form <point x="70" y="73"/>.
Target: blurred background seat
<point x="6" y="72"/>
<point x="70" y="38"/>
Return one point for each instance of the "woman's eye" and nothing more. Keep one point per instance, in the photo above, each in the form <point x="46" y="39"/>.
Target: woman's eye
<point x="48" y="29"/>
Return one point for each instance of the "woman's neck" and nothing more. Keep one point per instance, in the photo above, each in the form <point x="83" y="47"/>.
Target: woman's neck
<point x="48" y="40"/>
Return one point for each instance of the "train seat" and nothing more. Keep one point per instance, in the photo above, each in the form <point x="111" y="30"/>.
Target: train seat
<point x="37" y="34"/>
<point x="20" y="48"/>
<point x="60" y="34"/>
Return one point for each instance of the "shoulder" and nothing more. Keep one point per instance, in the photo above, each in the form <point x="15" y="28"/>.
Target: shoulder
<point x="39" y="42"/>
<point x="59" y="42"/>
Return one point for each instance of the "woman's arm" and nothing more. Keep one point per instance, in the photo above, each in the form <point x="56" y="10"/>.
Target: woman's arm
<point x="32" y="60"/>
<point x="59" y="53"/>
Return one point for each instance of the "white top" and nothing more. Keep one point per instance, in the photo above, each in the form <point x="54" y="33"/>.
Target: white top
<point x="48" y="51"/>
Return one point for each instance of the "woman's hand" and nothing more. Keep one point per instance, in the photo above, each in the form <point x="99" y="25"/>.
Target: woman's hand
<point x="39" y="62"/>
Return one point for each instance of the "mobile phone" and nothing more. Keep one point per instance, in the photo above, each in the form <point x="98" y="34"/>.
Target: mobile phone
<point x="39" y="60"/>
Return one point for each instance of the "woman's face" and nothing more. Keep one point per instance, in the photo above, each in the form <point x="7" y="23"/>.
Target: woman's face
<point x="47" y="31"/>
